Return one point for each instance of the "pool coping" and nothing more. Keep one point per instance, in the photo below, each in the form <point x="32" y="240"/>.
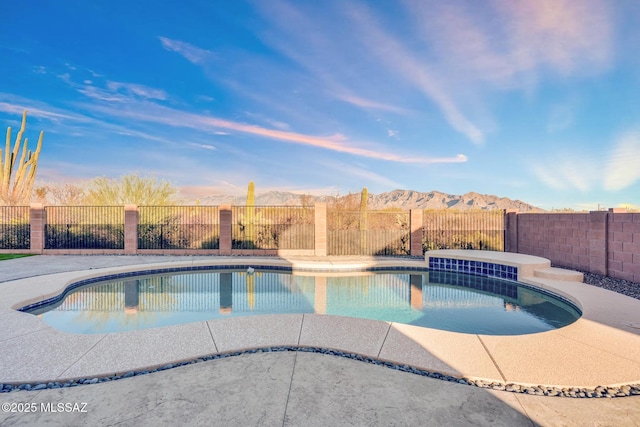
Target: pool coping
<point x="602" y="348"/>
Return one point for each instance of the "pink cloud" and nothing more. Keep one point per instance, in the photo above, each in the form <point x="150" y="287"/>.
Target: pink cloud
<point x="335" y="143"/>
<point x="563" y="34"/>
<point x="339" y="143"/>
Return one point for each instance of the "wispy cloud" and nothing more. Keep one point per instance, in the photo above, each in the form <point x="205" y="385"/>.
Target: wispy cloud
<point x="16" y="105"/>
<point x="463" y="48"/>
<point x="101" y="94"/>
<point x="39" y="69"/>
<point x="69" y="122"/>
<point x="337" y="58"/>
<point x="138" y="90"/>
<point x="190" y="52"/>
<point x="518" y="40"/>
<point x="109" y="90"/>
<point x="567" y="172"/>
<point x="269" y="121"/>
<point x="203" y="146"/>
<point x="334" y="143"/>
<point x="330" y="63"/>
<point x="400" y="59"/>
<point x="205" y="98"/>
<point x="623" y="165"/>
<point x="563" y="34"/>
<point x="119" y="91"/>
<point x="615" y="171"/>
<point x="370" y="104"/>
<point x="338" y="143"/>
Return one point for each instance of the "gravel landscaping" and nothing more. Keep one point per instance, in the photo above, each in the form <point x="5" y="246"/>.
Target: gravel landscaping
<point x="621" y="286"/>
<point x="625" y="287"/>
<point x="537" y="390"/>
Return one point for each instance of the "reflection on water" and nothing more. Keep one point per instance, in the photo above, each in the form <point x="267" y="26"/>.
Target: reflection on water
<point x="443" y="300"/>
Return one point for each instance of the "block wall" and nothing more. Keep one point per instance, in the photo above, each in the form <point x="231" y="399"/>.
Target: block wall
<point x="605" y="243"/>
<point x="563" y="238"/>
<point x="623" y="255"/>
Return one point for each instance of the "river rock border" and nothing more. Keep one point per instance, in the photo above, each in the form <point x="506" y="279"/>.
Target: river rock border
<point x="538" y="390"/>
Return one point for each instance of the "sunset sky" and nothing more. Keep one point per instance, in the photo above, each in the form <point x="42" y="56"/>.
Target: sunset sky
<point x="537" y="100"/>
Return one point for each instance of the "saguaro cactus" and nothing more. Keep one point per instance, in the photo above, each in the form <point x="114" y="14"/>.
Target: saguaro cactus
<point x="17" y="175"/>
<point x="364" y="196"/>
<point x="251" y="213"/>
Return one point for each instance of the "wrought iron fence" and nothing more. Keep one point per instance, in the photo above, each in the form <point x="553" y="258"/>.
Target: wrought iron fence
<point x="178" y="227"/>
<point x="442" y="229"/>
<point x="254" y="227"/>
<point x="15" y="230"/>
<point x="272" y="227"/>
<point x="84" y="227"/>
<point x="368" y="233"/>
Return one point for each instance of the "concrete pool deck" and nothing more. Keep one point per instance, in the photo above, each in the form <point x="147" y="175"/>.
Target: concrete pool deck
<point x="601" y="348"/>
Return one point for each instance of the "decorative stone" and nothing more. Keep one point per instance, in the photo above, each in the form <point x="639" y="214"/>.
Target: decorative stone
<point x="540" y="390"/>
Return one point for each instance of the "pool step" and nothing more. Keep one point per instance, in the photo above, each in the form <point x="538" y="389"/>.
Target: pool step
<point x="559" y="274"/>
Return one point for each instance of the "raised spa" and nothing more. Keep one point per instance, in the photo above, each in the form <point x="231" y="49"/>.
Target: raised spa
<point x="434" y="299"/>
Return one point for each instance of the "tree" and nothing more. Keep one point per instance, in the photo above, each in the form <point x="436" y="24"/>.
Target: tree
<point x="130" y="189"/>
<point x="343" y="212"/>
<point x="306" y="200"/>
<point x="17" y="175"/>
<point x="59" y="194"/>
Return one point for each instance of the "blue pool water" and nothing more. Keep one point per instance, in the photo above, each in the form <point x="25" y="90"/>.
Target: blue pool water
<point x="442" y="300"/>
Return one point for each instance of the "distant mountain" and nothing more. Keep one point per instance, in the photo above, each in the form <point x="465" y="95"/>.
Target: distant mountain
<point x="402" y="199"/>
<point x="271" y="198"/>
<point x="408" y="199"/>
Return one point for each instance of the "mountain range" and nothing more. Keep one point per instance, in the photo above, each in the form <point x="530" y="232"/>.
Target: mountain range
<point x="400" y="199"/>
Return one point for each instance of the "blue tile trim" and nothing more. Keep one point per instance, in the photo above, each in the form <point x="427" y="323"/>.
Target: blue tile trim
<point x="478" y="268"/>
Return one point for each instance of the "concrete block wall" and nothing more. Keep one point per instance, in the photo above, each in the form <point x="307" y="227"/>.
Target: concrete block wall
<point x="38" y="219"/>
<point x="415" y="224"/>
<point x="623" y="255"/>
<point x="562" y="238"/>
<point x="601" y="242"/>
<point x="131" y="219"/>
<point x="320" y="232"/>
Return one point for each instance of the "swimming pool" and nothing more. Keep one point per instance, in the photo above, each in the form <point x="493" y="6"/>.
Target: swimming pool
<point x="435" y="299"/>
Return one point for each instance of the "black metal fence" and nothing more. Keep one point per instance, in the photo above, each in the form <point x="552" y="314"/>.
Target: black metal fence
<point x="84" y="227"/>
<point x="178" y="227"/>
<point x="15" y="229"/>
<point x="442" y="229"/>
<point x="272" y="227"/>
<point x="254" y="227"/>
<point x="368" y="233"/>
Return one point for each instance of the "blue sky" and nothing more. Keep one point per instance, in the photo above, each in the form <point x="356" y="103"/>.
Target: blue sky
<point x="533" y="100"/>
